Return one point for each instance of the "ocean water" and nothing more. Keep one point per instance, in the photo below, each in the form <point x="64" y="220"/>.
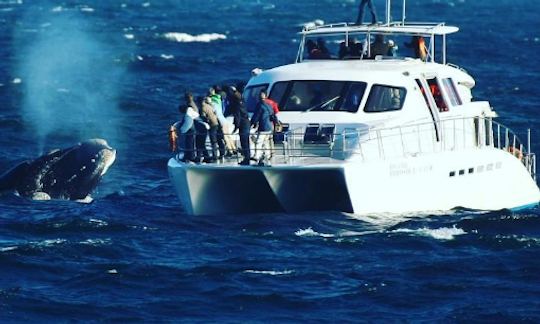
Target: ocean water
<point x="76" y="69"/>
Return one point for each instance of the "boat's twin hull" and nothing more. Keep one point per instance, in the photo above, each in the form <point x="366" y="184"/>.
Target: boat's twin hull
<point x="488" y="179"/>
<point x="223" y="190"/>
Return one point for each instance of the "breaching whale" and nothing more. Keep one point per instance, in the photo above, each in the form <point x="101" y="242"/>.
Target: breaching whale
<point x="70" y="173"/>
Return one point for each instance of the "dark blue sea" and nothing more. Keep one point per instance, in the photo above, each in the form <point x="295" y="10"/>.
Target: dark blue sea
<point x="72" y="70"/>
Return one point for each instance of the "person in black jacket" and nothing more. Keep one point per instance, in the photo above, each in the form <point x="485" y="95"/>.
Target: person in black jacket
<point x="241" y="122"/>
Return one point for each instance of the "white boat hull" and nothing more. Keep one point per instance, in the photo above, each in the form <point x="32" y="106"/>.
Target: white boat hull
<point x="483" y="179"/>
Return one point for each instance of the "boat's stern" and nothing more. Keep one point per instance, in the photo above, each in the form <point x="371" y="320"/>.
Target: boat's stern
<point x="206" y="189"/>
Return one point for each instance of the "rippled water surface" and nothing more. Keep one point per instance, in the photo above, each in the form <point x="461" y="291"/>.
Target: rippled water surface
<point x="132" y="255"/>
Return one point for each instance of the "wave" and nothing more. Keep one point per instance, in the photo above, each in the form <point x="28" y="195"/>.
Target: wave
<point x="270" y="272"/>
<point x="187" y="38"/>
<point x="313" y="23"/>
<point x="11" y="2"/>
<point x="443" y="233"/>
<point x="310" y="232"/>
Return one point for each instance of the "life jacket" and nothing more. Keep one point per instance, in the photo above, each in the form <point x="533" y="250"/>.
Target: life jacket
<point x="422" y="49"/>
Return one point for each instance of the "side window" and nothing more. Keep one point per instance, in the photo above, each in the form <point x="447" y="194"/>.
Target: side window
<point x="278" y="91"/>
<point x="451" y="90"/>
<point x="251" y="96"/>
<point x="385" y="98"/>
<point x="353" y="96"/>
<point x="437" y="94"/>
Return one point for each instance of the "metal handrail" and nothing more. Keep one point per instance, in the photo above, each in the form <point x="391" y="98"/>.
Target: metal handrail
<point x="380" y="143"/>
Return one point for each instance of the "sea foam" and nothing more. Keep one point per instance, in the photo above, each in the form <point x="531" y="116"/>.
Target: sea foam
<point x="270" y="272"/>
<point x="187" y="38"/>
<point x="443" y="233"/>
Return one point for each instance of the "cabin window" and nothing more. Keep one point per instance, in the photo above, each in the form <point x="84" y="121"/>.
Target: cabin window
<point x="251" y="96"/>
<point x="451" y="90"/>
<point x="437" y="95"/>
<point x="318" y="95"/>
<point x="385" y="98"/>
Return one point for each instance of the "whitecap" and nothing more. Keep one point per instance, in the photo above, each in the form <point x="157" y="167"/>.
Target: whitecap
<point x="48" y="243"/>
<point x="443" y="233"/>
<point x="187" y="38"/>
<point x="95" y="242"/>
<point x="57" y="9"/>
<point x="146" y="4"/>
<point x="310" y="232"/>
<point x="313" y="23"/>
<point x="98" y="222"/>
<point x="270" y="272"/>
<point x="129" y="36"/>
<point x="17" y="81"/>
<point x="167" y="57"/>
<point x="86" y="9"/>
<point x="8" y="248"/>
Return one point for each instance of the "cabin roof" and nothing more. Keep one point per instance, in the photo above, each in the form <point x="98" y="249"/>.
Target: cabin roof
<point x="388" y="71"/>
<point x="420" y="29"/>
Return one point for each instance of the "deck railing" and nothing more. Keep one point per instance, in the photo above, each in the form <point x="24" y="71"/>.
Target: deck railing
<point x="315" y="141"/>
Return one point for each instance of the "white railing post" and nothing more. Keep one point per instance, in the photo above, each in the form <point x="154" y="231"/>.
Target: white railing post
<point x="528" y="140"/>
<point x="419" y="138"/>
<point x="388" y="9"/>
<point x="403" y="15"/>
<point x="499" y="136"/>
<point x="402" y="142"/>
<point x="380" y="144"/>
<point x="507" y="139"/>
<point x="360" y="146"/>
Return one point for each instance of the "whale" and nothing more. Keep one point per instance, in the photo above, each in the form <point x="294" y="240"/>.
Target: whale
<point x="67" y="174"/>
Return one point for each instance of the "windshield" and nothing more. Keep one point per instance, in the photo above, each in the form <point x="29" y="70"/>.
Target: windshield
<point x="318" y="95"/>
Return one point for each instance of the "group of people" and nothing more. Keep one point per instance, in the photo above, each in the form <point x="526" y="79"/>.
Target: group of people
<point x="196" y="125"/>
<point x="189" y="136"/>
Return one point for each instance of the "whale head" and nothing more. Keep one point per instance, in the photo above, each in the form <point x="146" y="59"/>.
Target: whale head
<point x="71" y="173"/>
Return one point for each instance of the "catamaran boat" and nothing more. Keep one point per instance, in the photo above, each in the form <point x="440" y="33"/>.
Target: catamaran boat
<point x="369" y="131"/>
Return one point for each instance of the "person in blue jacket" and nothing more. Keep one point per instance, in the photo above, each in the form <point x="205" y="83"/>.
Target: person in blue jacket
<point x="263" y="120"/>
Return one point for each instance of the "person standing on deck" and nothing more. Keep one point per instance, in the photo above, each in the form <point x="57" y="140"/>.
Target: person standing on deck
<point x="227" y="147"/>
<point x="360" y="19"/>
<point x="184" y="129"/>
<point x="241" y="122"/>
<point x="263" y="119"/>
